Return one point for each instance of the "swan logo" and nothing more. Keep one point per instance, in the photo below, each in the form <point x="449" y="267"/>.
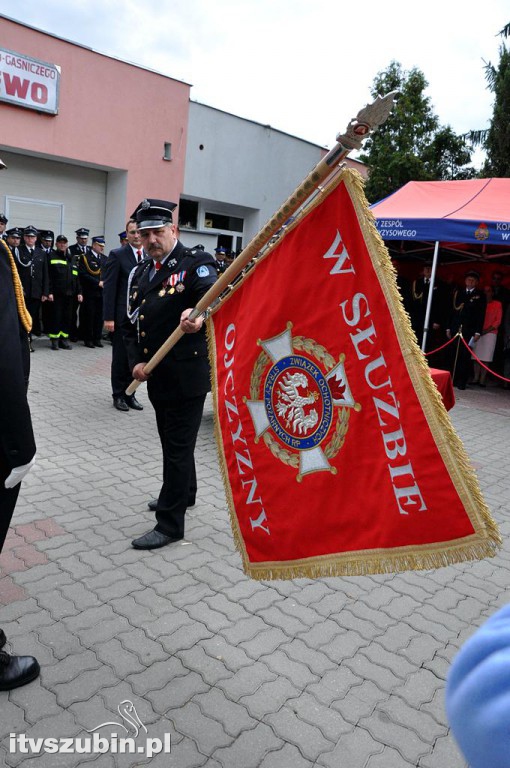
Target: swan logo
<point x="300" y="402"/>
<point x="128" y="713"/>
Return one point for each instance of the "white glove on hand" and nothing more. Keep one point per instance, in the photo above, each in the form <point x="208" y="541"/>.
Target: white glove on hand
<point x="18" y="473"/>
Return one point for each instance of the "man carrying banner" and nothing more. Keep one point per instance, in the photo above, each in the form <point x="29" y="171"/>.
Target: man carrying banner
<point x="337" y="453"/>
<point x="161" y="293"/>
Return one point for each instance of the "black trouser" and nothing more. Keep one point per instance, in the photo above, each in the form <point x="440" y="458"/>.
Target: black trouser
<point x="121" y="373"/>
<point x="34" y="307"/>
<point x="91" y="318"/>
<point x="59" y="316"/>
<point x="8" y="498"/>
<point x="178" y="424"/>
<point x="462" y="362"/>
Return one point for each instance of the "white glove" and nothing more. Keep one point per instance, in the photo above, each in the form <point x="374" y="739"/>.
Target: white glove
<point x="18" y="473"/>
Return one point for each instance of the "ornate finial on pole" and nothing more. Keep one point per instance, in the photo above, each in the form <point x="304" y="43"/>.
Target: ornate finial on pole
<point x="368" y="118"/>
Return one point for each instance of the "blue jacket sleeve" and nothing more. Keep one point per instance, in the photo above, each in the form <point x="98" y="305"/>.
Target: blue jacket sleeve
<point x="478" y="694"/>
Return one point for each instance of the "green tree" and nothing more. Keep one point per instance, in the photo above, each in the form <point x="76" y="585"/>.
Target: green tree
<point x="497" y="140"/>
<point x="447" y="156"/>
<point x="411" y="145"/>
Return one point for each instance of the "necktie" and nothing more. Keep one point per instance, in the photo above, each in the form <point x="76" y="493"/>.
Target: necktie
<point x="157" y="265"/>
<point x="138" y="256"/>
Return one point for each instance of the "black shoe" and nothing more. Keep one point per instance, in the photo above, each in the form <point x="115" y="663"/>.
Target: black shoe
<point x="88" y="344"/>
<point x="132" y="402"/>
<point x="3" y="638"/>
<point x="64" y="344"/>
<point x="120" y="404"/>
<point x="17" y="670"/>
<point x="31" y="348"/>
<point x="98" y="344"/>
<point x="153" y="504"/>
<point x="152" y="540"/>
<point x="54" y="345"/>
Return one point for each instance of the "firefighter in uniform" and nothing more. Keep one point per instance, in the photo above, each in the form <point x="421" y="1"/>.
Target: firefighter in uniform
<point x="64" y="289"/>
<point x="91" y="311"/>
<point x="32" y="266"/>
<point x="467" y="317"/>
<point x="77" y="249"/>
<point x="161" y="293"/>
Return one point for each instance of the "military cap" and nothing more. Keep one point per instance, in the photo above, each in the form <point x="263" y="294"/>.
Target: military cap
<point x="61" y="239"/>
<point x="30" y="230"/>
<point x="219" y="249"/>
<point x="152" y="214"/>
<point x="46" y="234"/>
<point x="98" y="239"/>
<point x="82" y="232"/>
<point x="3" y="218"/>
<point x="14" y="232"/>
<point x="472" y="273"/>
<point x="123" y="235"/>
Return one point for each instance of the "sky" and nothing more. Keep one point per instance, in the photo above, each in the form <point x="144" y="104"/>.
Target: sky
<point x="305" y="67"/>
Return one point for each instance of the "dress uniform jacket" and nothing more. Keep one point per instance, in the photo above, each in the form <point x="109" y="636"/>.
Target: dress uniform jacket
<point x="17" y="446"/>
<point x="33" y="272"/>
<point x="179" y="284"/>
<point x="89" y="272"/>
<point x="91" y="310"/>
<point x="468" y="312"/>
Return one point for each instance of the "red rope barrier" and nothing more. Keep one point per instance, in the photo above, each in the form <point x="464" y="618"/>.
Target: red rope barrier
<point x="480" y="362"/>
<point x="433" y="351"/>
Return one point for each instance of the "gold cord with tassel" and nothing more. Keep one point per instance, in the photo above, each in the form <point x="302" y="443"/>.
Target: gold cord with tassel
<point x="23" y="312"/>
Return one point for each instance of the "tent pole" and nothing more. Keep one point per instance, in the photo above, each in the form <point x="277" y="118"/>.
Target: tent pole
<point x="430" y="296"/>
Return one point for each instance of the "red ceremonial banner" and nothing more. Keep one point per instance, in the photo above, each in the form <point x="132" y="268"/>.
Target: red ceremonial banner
<point x="337" y="453"/>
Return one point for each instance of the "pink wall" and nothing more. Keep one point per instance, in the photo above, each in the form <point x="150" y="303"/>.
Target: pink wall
<point x="111" y="114"/>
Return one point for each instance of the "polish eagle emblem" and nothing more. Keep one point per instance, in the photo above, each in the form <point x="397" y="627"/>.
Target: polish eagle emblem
<point x="300" y="402"/>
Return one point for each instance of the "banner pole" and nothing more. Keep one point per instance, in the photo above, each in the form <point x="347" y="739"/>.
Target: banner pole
<point x="366" y="121"/>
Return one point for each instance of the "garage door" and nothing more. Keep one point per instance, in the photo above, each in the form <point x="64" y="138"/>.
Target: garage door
<point x="51" y="195"/>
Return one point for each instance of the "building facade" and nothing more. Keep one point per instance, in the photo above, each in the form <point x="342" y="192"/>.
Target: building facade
<point x="91" y="161"/>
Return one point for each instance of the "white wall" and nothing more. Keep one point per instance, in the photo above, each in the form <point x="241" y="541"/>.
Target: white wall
<point x="242" y="168"/>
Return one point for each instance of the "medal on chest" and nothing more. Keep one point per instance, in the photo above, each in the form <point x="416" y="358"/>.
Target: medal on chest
<point x="172" y="284"/>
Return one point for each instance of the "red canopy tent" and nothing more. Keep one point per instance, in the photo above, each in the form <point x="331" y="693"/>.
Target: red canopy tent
<point x="468" y="218"/>
<point x="460" y="220"/>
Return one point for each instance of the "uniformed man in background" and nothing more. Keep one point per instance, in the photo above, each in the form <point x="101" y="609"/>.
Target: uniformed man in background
<point x="32" y="266"/>
<point x="77" y="249"/>
<point x="13" y="240"/>
<point x="163" y="290"/>
<point x="64" y="290"/>
<point x="91" y="312"/>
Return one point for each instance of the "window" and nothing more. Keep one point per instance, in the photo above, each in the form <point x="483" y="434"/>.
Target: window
<point x="223" y="221"/>
<point x="188" y="214"/>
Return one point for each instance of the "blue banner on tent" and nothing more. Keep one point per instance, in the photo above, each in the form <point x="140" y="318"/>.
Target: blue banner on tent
<point x="492" y="232"/>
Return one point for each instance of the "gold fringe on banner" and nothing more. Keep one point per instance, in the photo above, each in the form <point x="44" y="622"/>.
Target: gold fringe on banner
<point x="484" y="542"/>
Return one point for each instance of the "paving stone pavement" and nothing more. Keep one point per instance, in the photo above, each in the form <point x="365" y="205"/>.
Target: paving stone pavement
<point x="332" y="673"/>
